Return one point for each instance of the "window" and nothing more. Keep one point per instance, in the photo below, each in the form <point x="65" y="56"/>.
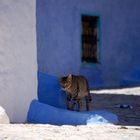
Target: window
<point x="90" y="38"/>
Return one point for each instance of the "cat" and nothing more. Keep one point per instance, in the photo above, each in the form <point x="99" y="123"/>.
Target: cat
<point x="76" y="87"/>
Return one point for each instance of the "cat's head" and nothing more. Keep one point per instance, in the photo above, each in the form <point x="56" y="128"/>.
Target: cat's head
<point x="66" y="82"/>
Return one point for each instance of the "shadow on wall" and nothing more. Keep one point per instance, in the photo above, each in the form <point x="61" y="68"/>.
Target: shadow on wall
<point x="126" y="107"/>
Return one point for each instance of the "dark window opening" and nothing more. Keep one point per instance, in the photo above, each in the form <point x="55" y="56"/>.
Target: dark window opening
<point x="90" y="39"/>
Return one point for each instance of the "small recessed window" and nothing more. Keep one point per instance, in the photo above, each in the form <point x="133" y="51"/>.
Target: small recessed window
<point x="90" y="39"/>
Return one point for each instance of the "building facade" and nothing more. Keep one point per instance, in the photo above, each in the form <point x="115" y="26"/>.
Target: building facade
<point x="59" y="42"/>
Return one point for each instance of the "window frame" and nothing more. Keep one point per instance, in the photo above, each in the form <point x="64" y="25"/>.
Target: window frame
<point x="98" y="38"/>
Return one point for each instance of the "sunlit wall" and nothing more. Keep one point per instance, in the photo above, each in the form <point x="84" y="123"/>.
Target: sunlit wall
<point x="18" y="61"/>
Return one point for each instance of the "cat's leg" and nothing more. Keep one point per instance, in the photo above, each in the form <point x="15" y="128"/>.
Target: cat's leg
<point x="79" y="104"/>
<point x="74" y="101"/>
<point x="68" y="102"/>
<point x="88" y="100"/>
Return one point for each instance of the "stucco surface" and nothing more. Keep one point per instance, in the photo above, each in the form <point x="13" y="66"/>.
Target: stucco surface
<point x="18" y="66"/>
<point x="59" y="40"/>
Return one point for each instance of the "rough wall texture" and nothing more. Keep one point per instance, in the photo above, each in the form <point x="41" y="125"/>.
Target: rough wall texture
<point x="18" y="67"/>
<point x="59" y="42"/>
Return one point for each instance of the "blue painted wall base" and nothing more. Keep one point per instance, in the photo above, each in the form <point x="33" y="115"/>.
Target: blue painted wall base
<point x="49" y="91"/>
<point x="46" y="114"/>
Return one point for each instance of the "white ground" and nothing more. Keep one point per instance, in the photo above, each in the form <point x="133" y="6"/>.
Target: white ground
<point x="125" y="91"/>
<point x="50" y="132"/>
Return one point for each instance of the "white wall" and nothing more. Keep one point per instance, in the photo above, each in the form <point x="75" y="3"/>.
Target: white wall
<point x="18" y="65"/>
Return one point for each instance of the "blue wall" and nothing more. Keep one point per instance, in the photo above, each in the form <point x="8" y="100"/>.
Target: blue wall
<point x="59" y="42"/>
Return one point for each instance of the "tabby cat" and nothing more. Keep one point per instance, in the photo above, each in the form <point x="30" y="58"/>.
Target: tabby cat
<point x="76" y="88"/>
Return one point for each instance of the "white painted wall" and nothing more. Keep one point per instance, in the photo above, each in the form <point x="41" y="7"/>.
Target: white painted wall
<point x="18" y="64"/>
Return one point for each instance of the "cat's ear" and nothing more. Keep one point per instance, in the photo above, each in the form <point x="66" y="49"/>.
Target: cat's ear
<point x="70" y="77"/>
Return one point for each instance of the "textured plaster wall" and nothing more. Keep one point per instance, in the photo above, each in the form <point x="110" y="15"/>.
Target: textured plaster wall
<point x="59" y="42"/>
<point x="18" y="66"/>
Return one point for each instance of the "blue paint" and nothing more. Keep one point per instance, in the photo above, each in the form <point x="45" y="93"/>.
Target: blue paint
<point x="46" y="114"/>
<point x="59" y="39"/>
<point x="49" y="91"/>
